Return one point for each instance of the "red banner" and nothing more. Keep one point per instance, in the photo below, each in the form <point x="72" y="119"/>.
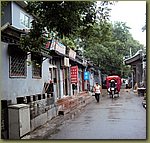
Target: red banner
<point x="74" y="74"/>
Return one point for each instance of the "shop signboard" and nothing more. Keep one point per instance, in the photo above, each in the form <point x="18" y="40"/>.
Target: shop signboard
<point x="74" y="74"/>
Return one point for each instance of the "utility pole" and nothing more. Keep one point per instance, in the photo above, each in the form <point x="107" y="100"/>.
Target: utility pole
<point x="130" y="52"/>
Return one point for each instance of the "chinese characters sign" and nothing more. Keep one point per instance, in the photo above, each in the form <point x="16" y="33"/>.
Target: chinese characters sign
<point x="55" y="45"/>
<point x="74" y="74"/>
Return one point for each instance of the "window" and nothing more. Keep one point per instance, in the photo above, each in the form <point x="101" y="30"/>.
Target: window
<point x="25" y="20"/>
<point x="36" y="66"/>
<point x="17" y="65"/>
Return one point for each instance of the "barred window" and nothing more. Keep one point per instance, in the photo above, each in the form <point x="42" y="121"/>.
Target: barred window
<point x="17" y="65"/>
<point x="36" y="66"/>
<point x="25" y="20"/>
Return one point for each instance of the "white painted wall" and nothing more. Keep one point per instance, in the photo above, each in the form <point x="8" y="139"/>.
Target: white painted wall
<point x="16" y="9"/>
<point x="17" y="87"/>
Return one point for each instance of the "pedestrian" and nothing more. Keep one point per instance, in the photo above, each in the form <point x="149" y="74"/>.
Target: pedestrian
<point x="126" y="83"/>
<point x="97" y="91"/>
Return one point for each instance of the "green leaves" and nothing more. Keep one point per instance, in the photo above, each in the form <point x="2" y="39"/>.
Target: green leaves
<point x="68" y="42"/>
<point x="66" y="18"/>
<point x="107" y="44"/>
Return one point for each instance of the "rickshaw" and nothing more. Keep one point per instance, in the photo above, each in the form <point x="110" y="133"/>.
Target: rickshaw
<point x="113" y="84"/>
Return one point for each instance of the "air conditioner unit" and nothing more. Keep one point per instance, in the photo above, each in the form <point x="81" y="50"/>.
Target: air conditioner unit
<point x="66" y="62"/>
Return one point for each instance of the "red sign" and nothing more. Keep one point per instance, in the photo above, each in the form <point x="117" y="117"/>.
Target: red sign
<point x="74" y="74"/>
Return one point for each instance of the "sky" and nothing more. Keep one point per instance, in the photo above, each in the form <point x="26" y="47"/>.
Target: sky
<point x="134" y="14"/>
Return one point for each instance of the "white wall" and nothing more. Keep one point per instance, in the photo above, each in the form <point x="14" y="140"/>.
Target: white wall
<point x="16" y="9"/>
<point x="16" y="87"/>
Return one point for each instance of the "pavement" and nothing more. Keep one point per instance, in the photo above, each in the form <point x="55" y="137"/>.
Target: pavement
<point x="50" y="126"/>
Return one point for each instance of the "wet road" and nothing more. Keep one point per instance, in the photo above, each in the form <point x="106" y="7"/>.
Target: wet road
<point x="120" y="118"/>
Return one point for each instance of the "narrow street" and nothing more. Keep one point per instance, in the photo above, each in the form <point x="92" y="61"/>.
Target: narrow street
<point x="58" y="56"/>
<point x="120" y="118"/>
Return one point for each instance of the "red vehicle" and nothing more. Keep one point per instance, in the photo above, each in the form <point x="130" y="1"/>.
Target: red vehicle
<point x="113" y="84"/>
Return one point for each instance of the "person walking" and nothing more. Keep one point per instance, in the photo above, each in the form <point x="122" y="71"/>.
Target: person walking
<point x="126" y="83"/>
<point x="97" y="91"/>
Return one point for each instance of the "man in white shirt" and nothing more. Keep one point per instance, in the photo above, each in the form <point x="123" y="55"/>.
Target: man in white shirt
<point x="97" y="90"/>
<point x="126" y="83"/>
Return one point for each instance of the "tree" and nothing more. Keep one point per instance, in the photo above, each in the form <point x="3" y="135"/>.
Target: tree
<point x="101" y="49"/>
<point x="65" y="18"/>
<point x="68" y="42"/>
<point x="106" y="44"/>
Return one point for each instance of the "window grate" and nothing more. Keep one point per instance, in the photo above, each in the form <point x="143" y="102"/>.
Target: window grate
<point x="18" y="64"/>
<point x="36" y="70"/>
<point x="36" y="66"/>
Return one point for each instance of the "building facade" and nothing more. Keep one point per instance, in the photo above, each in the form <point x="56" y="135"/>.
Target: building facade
<point x="138" y="65"/>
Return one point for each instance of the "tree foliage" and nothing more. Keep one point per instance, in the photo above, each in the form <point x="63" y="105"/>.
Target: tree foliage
<point x="82" y="24"/>
<point x="108" y="43"/>
<point x="66" y="18"/>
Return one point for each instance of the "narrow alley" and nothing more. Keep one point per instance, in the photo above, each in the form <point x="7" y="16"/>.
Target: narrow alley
<point x="120" y="118"/>
<point x="58" y="57"/>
